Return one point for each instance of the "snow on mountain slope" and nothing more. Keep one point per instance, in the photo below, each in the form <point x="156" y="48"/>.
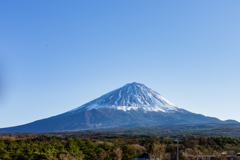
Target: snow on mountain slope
<point x="131" y="96"/>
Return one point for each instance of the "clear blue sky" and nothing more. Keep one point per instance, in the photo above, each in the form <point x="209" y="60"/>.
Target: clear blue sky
<point x="57" y="55"/>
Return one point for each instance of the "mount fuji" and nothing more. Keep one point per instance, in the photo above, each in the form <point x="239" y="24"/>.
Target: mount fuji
<point x="132" y="105"/>
<point x="133" y="96"/>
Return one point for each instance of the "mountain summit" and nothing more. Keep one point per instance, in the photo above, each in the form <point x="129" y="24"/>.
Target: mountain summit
<point x="129" y="106"/>
<point x="132" y="96"/>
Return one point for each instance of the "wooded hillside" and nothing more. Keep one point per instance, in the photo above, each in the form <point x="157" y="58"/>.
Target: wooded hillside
<point x="111" y="148"/>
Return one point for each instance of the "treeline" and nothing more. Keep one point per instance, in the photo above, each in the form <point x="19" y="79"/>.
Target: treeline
<point x="27" y="147"/>
<point x="207" y="130"/>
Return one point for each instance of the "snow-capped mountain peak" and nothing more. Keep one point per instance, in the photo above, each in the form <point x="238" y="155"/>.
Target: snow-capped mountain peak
<point x="131" y="96"/>
<point x="127" y="106"/>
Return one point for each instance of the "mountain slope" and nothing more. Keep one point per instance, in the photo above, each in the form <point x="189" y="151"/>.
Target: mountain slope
<point x="131" y="96"/>
<point x="131" y="104"/>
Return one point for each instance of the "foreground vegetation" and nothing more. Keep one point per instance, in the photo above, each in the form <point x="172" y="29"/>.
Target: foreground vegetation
<point x="114" y="147"/>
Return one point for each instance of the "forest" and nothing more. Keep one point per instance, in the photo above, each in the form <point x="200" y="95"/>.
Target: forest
<point x="111" y="147"/>
<point x="172" y="131"/>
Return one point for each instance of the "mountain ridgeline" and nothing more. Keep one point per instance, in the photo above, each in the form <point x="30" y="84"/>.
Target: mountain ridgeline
<point x="133" y="105"/>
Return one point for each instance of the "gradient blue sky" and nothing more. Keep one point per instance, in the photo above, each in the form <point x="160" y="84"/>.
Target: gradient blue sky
<point x="57" y="55"/>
